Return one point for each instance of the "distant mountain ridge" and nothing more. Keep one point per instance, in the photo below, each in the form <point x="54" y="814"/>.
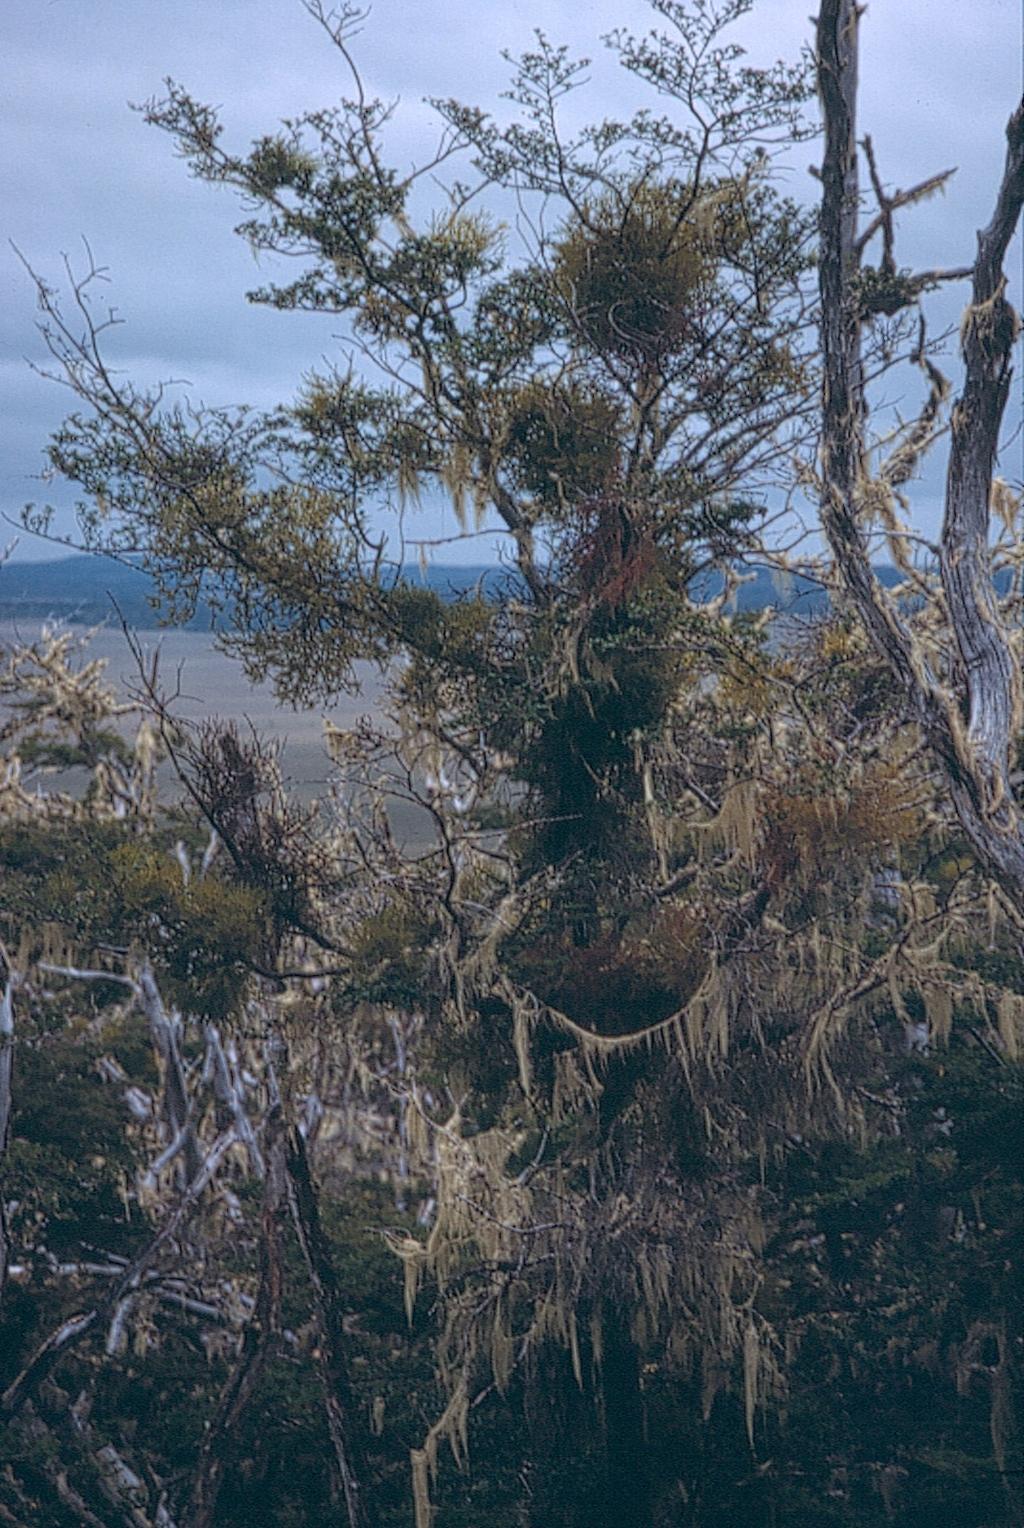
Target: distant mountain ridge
<point x="86" y="590"/>
<point x="90" y="590"/>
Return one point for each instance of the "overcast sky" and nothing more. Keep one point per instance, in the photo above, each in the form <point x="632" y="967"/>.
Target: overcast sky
<point x="939" y="81"/>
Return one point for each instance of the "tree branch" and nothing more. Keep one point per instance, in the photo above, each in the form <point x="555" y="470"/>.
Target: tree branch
<point x="990" y="668"/>
<point x="338" y="1400"/>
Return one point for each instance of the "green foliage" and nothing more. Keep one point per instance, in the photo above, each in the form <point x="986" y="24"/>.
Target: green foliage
<point x="525" y="381"/>
<point x="388" y="959"/>
<point x="710" y="1242"/>
<point x="562" y="445"/>
<point x="98" y="883"/>
<point x="631" y="269"/>
<point x="205" y="933"/>
<point x="898" y="1262"/>
<point x="52" y="754"/>
<point x="881" y="291"/>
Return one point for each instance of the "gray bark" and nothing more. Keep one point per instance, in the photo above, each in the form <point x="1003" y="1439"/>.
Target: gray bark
<point x="970" y="718"/>
<point x="990" y="672"/>
<point x="259" y="1342"/>
<point x="67" y="1336"/>
<point x="165" y="1031"/>
<point x="6" y="1086"/>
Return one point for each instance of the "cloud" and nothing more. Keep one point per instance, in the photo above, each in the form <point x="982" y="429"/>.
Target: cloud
<point x="938" y="86"/>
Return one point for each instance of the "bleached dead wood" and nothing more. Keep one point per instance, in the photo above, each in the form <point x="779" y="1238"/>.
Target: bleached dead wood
<point x="227" y="1087"/>
<point x="165" y="1028"/>
<point x="969" y="709"/>
<point x="261" y="1335"/>
<point x="6" y="1088"/>
<point x="49" y="1353"/>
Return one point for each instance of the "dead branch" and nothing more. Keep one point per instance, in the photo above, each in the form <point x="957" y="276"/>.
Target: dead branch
<point x="990" y="669"/>
<point x="6" y="1097"/>
<point x="339" y="1404"/>
<point x="71" y="1332"/>
<point x="975" y="761"/>
<point x="258" y="1344"/>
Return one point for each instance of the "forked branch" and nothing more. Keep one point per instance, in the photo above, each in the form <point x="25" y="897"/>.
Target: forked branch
<point x="977" y="678"/>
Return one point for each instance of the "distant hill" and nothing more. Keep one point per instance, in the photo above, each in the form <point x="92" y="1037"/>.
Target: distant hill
<point x="83" y="590"/>
<point x="87" y="591"/>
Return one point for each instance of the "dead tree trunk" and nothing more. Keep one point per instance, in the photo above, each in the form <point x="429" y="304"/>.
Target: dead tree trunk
<point x="6" y="1094"/>
<point x="969" y="712"/>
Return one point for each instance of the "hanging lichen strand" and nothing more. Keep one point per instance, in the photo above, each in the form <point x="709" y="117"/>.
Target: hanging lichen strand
<point x="588" y="1072"/>
<point x="632" y="1032"/>
<point x="602" y="1056"/>
<point x="699" y="902"/>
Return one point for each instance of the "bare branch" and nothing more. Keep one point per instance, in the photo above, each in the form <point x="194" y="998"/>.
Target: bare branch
<point x="6" y="1099"/>
<point x="50" y="1352"/>
<point x="261" y="1336"/>
<point x="990" y="668"/>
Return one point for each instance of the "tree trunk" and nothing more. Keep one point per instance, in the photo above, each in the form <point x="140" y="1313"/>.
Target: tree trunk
<point x="627" y="1494"/>
<point x="258" y="1344"/>
<point x="971" y="721"/>
<point x="6" y="1086"/>
<point x="339" y="1403"/>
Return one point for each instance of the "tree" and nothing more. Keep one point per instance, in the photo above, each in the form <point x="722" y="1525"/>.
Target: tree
<point x="962" y="681"/>
<point x="523" y="381"/>
<point x="694" y="906"/>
